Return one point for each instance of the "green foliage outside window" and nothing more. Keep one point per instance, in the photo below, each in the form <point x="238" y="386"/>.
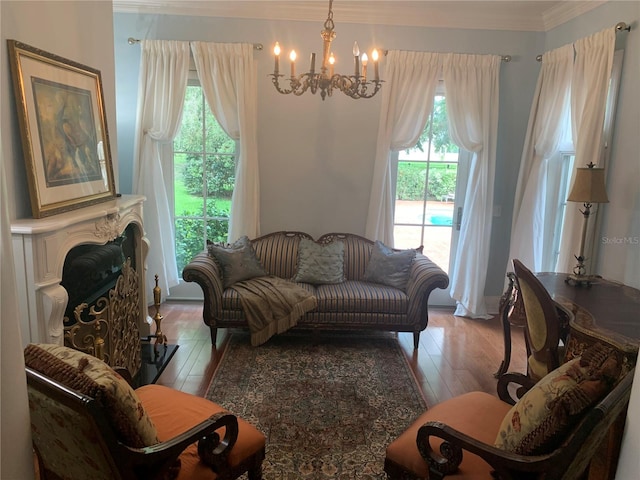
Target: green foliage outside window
<point x="204" y="174"/>
<point x="441" y="140"/>
<point x="411" y="180"/>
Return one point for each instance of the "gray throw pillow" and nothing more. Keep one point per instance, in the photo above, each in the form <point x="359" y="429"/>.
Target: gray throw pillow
<point x="389" y="267"/>
<point x="319" y="264"/>
<point x="237" y="261"/>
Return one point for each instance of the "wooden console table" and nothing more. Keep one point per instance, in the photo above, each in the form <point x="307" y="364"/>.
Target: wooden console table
<point x="606" y="312"/>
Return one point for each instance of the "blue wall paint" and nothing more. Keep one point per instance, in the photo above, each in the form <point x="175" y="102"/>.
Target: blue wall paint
<point x="316" y="158"/>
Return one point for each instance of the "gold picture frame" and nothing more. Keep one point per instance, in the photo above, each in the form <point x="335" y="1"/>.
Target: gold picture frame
<point x="65" y="141"/>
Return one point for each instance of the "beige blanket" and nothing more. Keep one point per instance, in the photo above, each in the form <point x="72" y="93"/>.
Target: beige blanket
<point x="272" y="305"/>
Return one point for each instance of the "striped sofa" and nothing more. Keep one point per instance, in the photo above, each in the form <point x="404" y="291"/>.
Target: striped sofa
<point x="353" y="304"/>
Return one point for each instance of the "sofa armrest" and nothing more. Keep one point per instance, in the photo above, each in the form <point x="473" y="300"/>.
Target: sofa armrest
<point x="425" y="276"/>
<point x="205" y="272"/>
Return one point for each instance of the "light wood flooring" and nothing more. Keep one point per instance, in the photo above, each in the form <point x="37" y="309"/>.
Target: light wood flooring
<point x="455" y="354"/>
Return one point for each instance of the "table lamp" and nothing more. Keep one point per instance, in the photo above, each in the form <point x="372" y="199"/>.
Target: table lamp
<point x="588" y="188"/>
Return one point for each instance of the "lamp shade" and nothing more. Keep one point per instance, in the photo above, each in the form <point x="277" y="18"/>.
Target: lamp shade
<point x="588" y="186"/>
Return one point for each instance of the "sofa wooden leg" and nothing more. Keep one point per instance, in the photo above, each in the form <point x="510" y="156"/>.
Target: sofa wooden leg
<point x="214" y="334"/>
<point x="416" y="340"/>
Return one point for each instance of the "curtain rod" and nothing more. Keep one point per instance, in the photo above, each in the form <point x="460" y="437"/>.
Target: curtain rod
<point x="133" y="41"/>
<point x="620" y="26"/>
<point x="504" y="58"/>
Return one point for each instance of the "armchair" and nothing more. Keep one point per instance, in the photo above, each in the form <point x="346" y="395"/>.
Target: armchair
<point x="457" y="438"/>
<point x="74" y="436"/>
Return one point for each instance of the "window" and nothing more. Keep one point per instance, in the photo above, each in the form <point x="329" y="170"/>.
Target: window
<point x="561" y="169"/>
<point x="204" y="177"/>
<point x="426" y="189"/>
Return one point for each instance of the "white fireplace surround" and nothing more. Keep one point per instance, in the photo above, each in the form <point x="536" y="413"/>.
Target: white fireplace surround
<point x="40" y="247"/>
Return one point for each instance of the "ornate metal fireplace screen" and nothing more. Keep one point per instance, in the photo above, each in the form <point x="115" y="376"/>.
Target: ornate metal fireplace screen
<point x="110" y="330"/>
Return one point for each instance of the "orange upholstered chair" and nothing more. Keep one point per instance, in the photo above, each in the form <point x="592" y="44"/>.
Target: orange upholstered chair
<point x="552" y="432"/>
<point x="87" y="422"/>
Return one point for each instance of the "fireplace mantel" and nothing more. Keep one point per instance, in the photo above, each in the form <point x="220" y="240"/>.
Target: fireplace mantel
<point x="40" y="247"/>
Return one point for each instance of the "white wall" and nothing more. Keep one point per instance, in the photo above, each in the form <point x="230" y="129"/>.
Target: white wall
<point x="80" y="31"/>
<point x="619" y="245"/>
<point x="619" y="257"/>
<point x="316" y="158"/>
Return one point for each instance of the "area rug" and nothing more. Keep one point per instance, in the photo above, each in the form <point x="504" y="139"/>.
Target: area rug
<point x="329" y="404"/>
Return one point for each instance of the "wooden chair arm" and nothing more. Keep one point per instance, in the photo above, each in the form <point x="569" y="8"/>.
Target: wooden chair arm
<point x="505" y="380"/>
<point x="213" y="450"/>
<point x="508" y="466"/>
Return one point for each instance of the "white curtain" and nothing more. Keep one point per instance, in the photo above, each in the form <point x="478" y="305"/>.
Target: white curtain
<point x="228" y="78"/>
<point x="532" y="225"/>
<point x="407" y="101"/>
<point x="592" y="72"/>
<point x="162" y="86"/>
<point x="15" y="441"/>
<point x="471" y="87"/>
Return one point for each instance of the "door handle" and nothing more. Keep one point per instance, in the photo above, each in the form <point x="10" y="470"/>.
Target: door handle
<point x="459" y="219"/>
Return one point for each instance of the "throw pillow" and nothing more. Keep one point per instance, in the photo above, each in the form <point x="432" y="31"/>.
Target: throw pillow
<point x="389" y="267"/>
<point x="540" y="420"/>
<point x="90" y="376"/>
<point x="237" y="261"/>
<point x="320" y="264"/>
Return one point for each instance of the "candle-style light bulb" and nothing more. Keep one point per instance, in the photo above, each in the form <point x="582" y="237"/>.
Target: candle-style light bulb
<point x="276" y="53"/>
<point x="292" y="57"/>
<point x="332" y="62"/>
<point x="356" y="49"/>
<point x="365" y="60"/>
<point x="374" y="57"/>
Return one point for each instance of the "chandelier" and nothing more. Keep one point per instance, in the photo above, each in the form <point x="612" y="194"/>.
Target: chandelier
<point x="356" y="85"/>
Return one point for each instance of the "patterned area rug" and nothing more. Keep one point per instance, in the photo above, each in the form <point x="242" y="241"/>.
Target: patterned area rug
<point x="329" y="404"/>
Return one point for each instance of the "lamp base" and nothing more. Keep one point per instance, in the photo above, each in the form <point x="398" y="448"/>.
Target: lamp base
<point x="581" y="280"/>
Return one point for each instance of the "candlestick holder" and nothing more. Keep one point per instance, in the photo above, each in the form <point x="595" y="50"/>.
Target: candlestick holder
<point x="160" y="338"/>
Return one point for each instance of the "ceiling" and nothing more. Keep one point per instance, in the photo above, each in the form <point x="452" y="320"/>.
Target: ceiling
<point x="519" y="15"/>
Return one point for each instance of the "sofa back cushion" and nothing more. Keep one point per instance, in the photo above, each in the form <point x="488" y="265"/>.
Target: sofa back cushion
<point x="278" y="252"/>
<point x="357" y="252"/>
<point x="320" y="263"/>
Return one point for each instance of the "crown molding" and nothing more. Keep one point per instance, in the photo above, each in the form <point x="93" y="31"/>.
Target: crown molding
<point x="518" y="15"/>
<point x="562" y="12"/>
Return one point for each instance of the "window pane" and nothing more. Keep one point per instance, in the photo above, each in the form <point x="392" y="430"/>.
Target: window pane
<point x="411" y="180"/>
<point x="189" y="137"/>
<point x="407" y="237"/>
<point x="217" y="140"/>
<point x="188" y="185"/>
<point x="217" y="230"/>
<point x="437" y="242"/>
<point x="189" y="239"/>
<point x="220" y="175"/>
<point x="204" y="173"/>
<point x="425" y="189"/>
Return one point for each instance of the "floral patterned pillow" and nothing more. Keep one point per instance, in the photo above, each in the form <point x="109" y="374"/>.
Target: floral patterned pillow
<point x="539" y="421"/>
<point x="93" y="377"/>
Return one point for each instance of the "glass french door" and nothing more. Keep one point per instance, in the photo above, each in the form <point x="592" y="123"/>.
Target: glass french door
<point x="431" y="180"/>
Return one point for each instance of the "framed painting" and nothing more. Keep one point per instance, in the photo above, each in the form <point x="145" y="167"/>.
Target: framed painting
<point x="64" y="132"/>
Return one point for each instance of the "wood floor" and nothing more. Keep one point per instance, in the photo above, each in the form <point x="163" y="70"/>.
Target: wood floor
<point x="455" y="355"/>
